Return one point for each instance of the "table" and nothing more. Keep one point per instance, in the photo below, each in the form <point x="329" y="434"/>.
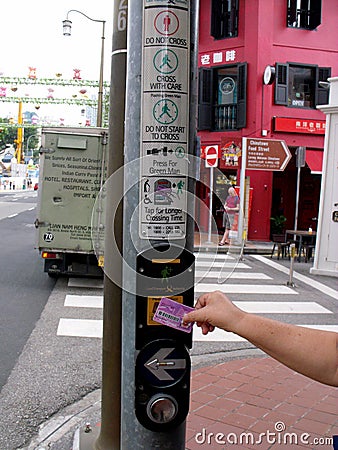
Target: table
<point x="310" y="237"/>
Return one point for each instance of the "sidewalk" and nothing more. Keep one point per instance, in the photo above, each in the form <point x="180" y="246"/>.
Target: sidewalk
<point x="250" y="403"/>
<point x="259" y="395"/>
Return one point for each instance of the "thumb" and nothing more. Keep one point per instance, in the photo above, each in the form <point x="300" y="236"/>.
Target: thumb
<point x="190" y="317"/>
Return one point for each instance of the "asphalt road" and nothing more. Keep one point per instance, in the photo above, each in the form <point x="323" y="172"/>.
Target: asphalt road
<point x="24" y="288"/>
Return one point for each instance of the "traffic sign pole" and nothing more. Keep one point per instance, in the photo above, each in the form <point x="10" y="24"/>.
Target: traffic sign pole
<point x="211" y="188"/>
<point x="211" y="161"/>
<point x="109" y="437"/>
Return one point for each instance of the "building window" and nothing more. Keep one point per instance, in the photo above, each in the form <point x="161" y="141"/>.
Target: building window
<point x="222" y="98"/>
<point x="224" y="18"/>
<point x="297" y="85"/>
<point x="304" y="14"/>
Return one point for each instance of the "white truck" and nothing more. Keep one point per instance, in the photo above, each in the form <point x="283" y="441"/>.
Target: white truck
<point x="72" y="173"/>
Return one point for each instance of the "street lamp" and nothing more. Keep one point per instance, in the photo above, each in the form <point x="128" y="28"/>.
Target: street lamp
<point x="27" y="144"/>
<point x="67" y="27"/>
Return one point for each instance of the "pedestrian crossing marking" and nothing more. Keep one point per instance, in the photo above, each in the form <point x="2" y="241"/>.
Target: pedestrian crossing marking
<point x="209" y="267"/>
<point x="313" y="283"/>
<point x="282" y="307"/>
<point x="96" y="301"/>
<point x="225" y="265"/>
<point x="244" y="288"/>
<point x="213" y="256"/>
<point x="94" y="329"/>
<point x="223" y="336"/>
<point x="95" y="283"/>
<point x="233" y="274"/>
<point x="80" y="328"/>
<point x="84" y="301"/>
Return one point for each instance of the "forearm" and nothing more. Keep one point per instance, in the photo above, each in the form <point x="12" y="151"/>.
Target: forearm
<point x="308" y="351"/>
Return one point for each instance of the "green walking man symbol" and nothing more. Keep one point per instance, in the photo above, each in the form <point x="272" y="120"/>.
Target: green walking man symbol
<point x="165" y="110"/>
<point x="166" y="61"/>
<point x="180" y="185"/>
<point x="165" y="273"/>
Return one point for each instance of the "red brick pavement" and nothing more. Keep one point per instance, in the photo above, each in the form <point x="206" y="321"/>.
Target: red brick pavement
<point x="276" y="407"/>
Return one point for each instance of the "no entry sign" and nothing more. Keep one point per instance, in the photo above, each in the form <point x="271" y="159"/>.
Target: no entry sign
<point x="211" y="156"/>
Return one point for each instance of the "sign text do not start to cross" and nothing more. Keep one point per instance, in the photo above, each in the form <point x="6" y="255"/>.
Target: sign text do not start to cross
<point x="164" y="120"/>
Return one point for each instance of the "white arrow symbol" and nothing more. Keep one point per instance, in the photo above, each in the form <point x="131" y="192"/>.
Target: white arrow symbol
<point x="158" y="365"/>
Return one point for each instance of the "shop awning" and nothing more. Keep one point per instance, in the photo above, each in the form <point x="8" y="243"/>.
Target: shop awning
<point x="314" y="159"/>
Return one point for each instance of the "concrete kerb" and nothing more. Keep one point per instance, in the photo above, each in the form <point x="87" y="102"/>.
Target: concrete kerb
<point x="63" y="425"/>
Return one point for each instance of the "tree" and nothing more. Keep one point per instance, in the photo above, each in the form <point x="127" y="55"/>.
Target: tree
<point x="9" y="132"/>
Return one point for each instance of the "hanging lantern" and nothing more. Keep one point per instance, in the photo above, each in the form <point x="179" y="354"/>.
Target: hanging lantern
<point x="77" y="74"/>
<point x="32" y="73"/>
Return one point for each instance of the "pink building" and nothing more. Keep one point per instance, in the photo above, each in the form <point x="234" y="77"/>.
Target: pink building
<point x="260" y="67"/>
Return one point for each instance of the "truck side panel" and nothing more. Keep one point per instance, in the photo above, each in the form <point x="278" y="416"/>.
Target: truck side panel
<point x="71" y="175"/>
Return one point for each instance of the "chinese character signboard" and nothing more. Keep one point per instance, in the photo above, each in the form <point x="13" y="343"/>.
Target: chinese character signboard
<point x="307" y="126"/>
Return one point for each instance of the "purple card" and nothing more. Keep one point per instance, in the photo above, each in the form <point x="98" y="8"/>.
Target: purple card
<point x="170" y="313"/>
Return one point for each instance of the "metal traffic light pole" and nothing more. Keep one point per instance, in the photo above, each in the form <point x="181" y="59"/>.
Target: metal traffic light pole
<point x="121" y="426"/>
<point x="109" y="438"/>
<point x="139" y="430"/>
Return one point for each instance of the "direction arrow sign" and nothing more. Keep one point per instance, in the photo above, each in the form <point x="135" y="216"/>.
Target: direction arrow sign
<point x="266" y="154"/>
<point x="211" y="156"/>
<point x="162" y="362"/>
<point x="159" y="365"/>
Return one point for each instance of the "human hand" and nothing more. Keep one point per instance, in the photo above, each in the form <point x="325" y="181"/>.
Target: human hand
<point x="212" y="310"/>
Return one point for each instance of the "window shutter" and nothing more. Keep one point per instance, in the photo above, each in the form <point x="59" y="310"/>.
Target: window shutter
<point x="292" y="13"/>
<point x="281" y="84"/>
<point x="216" y="15"/>
<point x="233" y="19"/>
<point x="241" y="95"/>
<point x="322" y="94"/>
<point x="315" y="14"/>
<point x="204" y="99"/>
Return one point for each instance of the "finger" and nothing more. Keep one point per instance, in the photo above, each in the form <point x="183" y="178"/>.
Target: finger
<point x="190" y="317"/>
<point x="201" y="301"/>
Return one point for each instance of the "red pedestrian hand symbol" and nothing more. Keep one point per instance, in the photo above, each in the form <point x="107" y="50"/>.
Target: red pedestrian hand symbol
<point x="166" y="23"/>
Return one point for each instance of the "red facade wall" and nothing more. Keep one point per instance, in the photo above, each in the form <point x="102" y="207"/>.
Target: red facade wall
<point x="264" y="39"/>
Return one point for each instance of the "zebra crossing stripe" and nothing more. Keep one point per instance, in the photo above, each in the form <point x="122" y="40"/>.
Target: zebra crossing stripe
<point x="84" y="301"/>
<point x="298" y="276"/>
<point x="80" y="328"/>
<point x="244" y="288"/>
<point x="94" y="329"/>
<point x="225" y="265"/>
<point x="213" y="256"/>
<point x="282" y="307"/>
<point x="210" y="274"/>
<point x="94" y="283"/>
<point x="223" y="336"/>
<point x="87" y="301"/>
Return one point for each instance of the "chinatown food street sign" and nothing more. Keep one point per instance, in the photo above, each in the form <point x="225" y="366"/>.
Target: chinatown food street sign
<point x="266" y="154"/>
